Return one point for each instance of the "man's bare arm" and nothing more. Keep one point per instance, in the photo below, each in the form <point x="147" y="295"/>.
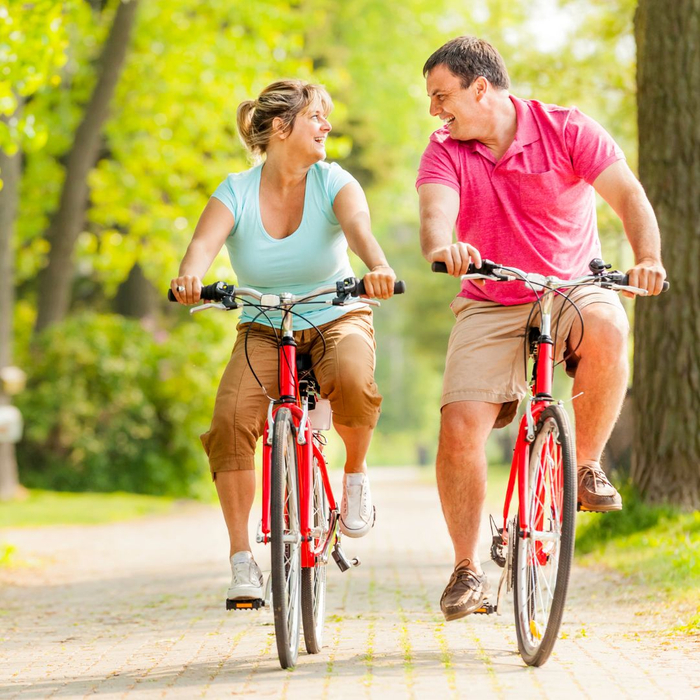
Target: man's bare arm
<point x="439" y="206"/>
<point x="618" y="186"/>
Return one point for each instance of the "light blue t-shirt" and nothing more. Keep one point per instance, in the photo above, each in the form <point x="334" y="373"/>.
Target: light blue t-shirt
<point x="315" y="255"/>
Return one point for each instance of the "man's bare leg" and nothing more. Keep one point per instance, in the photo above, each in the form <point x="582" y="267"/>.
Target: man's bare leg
<point x="601" y="375"/>
<point x="461" y="473"/>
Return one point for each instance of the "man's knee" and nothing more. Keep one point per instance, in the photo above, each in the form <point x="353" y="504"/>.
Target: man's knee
<point x="606" y="330"/>
<point x="465" y="425"/>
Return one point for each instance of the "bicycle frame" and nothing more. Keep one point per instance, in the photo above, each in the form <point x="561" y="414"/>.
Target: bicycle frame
<point x="540" y="398"/>
<point x="306" y="451"/>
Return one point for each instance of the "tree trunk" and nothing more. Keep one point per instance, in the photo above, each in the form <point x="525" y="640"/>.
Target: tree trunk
<point x="666" y="453"/>
<point x="56" y="279"/>
<point x="10" y="171"/>
<point x="136" y="296"/>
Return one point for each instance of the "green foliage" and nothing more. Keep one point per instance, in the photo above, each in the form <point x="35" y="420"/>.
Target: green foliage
<point x="692" y="626"/>
<point x="656" y="545"/>
<point x="115" y="412"/>
<point x="33" y="44"/>
<point x="7" y="552"/>
<point x="42" y="508"/>
<point x="111" y="406"/>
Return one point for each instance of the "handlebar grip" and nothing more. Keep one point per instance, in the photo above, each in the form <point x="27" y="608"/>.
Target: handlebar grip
<point x="210" y="292"/>
<point x="399" y="288"/>
<point x="439" y="266"/>
<point x="626" y="280"/>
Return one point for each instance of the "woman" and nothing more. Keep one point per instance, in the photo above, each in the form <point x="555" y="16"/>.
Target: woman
<point x="287" y="223"/>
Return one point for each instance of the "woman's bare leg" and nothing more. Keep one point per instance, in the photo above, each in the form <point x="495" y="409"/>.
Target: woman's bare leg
<point x="236" y="491"/>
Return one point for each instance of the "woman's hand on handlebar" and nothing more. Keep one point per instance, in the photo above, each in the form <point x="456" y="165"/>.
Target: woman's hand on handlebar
<point x="457" y="258"/>
<point x="191" y="287"/>
<point x="379" y="282"/>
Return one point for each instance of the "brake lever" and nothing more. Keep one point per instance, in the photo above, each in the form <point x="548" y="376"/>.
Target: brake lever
<point x="481" y="276"/>
<point x="351" y="300"/>
<point x="627" y="288"/>
<point x="210" y="305"/>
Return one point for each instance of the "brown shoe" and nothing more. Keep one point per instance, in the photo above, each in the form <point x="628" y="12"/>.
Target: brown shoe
<point x="595" y="492"/>
<point x="464" y="593"/>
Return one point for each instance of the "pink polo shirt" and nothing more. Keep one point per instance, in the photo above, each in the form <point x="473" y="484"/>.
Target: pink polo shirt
<point x="535" y="207"/>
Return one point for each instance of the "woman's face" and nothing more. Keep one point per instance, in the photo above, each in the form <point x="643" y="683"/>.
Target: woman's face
<point x="308" y="135"/>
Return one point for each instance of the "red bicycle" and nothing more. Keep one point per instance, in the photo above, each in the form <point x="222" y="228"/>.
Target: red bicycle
<point x="299" y="512"/>
<point x="535" y="547"/>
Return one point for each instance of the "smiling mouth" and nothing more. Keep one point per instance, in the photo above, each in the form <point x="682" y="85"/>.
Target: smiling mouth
<point x="449" y="120"/>
<point x="320" y="139"/>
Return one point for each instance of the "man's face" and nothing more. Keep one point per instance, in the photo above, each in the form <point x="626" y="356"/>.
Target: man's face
<point x="455" y="105"/>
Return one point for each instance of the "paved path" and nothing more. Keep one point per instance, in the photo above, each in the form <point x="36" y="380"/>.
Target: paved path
<point x="136" y="610"/>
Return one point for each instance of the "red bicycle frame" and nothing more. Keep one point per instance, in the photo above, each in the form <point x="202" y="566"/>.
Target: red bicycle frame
<point x="541" y="398"/>
<point x="307" y="450"/>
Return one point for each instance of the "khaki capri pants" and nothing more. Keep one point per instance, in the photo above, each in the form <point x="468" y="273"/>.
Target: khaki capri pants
<point x="345" y="374"/>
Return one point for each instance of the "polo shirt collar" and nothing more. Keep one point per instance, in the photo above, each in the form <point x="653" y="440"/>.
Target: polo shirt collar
<point x="527" y="132"/>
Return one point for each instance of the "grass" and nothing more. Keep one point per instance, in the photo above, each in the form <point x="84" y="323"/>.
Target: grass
<point x="655" y="546"/>
<point x="41" y="508"/>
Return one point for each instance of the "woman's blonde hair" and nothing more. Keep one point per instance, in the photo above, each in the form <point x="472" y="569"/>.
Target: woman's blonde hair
<point x="284" y="99"/>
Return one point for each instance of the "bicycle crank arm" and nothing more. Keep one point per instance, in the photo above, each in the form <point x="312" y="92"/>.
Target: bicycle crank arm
<point x="341" y="560"/>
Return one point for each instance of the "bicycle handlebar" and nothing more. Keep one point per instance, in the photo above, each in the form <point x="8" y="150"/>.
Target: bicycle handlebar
<point x="351" y="286"/>
<point x="491" y="270"/>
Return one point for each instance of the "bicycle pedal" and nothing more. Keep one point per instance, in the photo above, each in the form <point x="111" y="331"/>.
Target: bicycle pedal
<point x="581" y="509"/>
<point x="245" y="604"/>
<point x="487" y="608"/>
<point x="341" y="560"/>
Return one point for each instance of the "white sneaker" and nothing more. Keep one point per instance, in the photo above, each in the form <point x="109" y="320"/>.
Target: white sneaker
<point x="357" y="513"/>
<point x="246" y="577"/>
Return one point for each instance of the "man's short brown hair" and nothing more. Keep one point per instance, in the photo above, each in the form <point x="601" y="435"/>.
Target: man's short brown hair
<point x="468" y="57"/>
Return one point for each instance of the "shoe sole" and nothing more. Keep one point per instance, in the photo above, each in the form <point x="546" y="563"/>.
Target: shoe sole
<point x="459" y="614"/>
<point x="244" y="593"/>
<point x="599" y="509"/>
<point x="361" y="532"/>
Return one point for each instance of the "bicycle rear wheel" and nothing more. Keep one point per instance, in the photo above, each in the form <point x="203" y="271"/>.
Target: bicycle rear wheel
<point x="285" y="538"/>
<point x="313" y="580"/>
<point x="542" y="561"/>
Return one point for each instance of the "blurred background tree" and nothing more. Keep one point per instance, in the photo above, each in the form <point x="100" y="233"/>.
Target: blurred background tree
<point x="666" y="454"/>
<point x="121" y="384"/>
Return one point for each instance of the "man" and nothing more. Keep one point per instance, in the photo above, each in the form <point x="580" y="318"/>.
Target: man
<point x="518" y="178"/>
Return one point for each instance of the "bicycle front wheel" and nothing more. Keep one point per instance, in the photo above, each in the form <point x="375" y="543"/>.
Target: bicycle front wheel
<point x="313" y="579"/>
<point x="285" y="538"/>
<point x="542" y="559"/>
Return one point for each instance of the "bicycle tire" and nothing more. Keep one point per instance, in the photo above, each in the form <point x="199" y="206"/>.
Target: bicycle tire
<point x="313" y="579"/>
<point x="542" y="567"/>
<point x="285" y="556"/>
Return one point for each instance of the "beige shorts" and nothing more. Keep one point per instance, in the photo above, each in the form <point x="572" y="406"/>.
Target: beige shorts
<point x="345" y="374"/>
<point x="485" y="354"/>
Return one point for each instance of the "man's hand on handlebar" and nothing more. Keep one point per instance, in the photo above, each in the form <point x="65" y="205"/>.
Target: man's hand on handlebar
<point x="647" y="274"/>
<point x="187" y="289"/>
<point x="379" y="282"/>
<point x="457" y="258"/>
